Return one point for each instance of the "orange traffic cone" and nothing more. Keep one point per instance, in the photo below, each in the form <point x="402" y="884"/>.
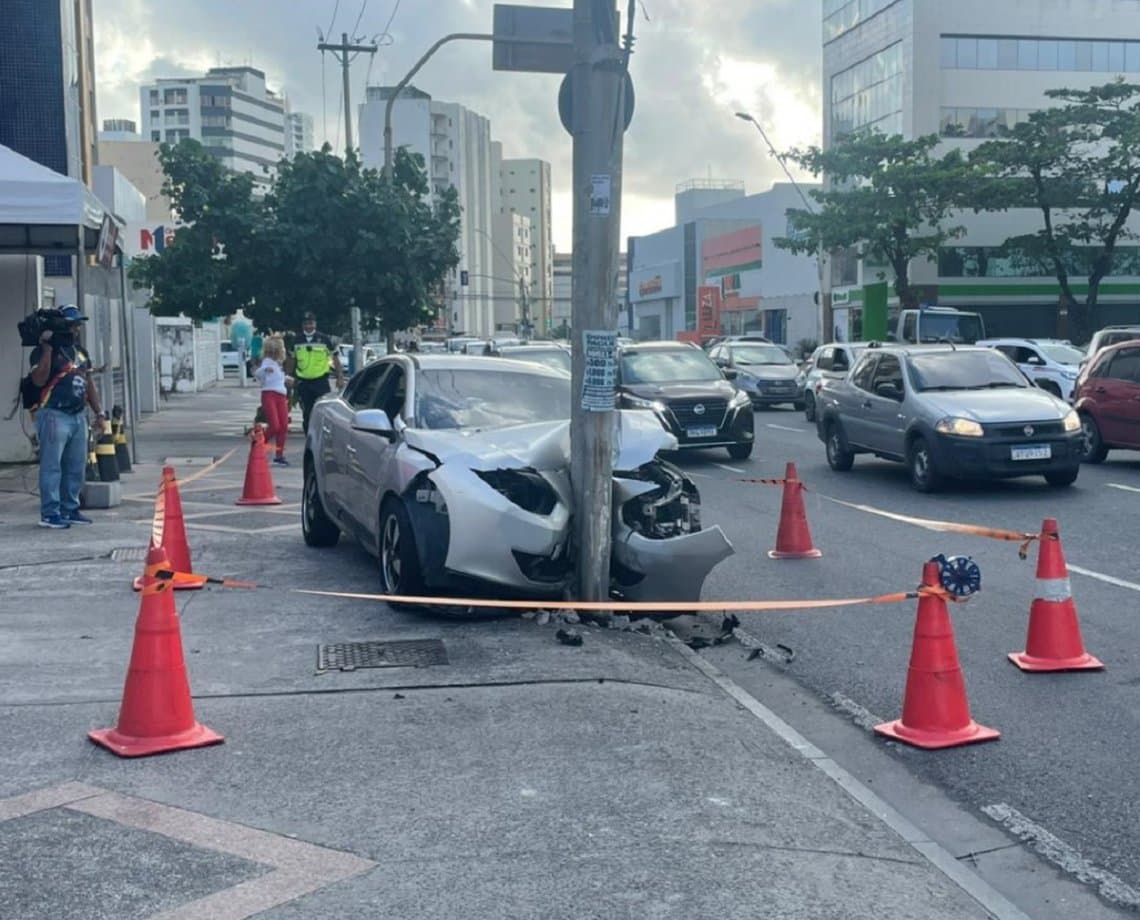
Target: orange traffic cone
<point x="793" y="538"/>
<point x="168" y="507"/>
<point x="258" y="489"/>
<point x="156" y="714"/>
<point x="936" y="713"/>
<point x="1054" y="641"/>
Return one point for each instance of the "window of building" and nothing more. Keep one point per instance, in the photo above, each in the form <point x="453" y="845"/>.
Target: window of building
<point x="154" y="97"/>
<point x="840" y="16"/>
<point x="174" y="97"/>
<point x="970" y="52"/>
<point x="869" y="95"/>
<point x="156" y="136"/>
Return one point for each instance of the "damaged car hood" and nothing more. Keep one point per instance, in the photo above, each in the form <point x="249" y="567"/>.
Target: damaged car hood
<point x="542" y="446"/>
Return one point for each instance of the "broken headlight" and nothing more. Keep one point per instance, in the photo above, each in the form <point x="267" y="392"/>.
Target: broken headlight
<point x="524" y="488"/>
<point x="673" y="509"/>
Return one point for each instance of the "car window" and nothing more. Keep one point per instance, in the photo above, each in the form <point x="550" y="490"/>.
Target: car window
<point x="760" y="354"/>
<point x="718" y="353"/>
<point x="965" y="370"/>
<point x="888" y="370"/>
<point x="362" y="388"/>
<point x="477" y="399"/>
<point x="826" y="358"/>
<point x="1125" y="366"/>
<point x="863" y="372"/>
<point x="391" y="392"/>
<point x="666" y="366"/>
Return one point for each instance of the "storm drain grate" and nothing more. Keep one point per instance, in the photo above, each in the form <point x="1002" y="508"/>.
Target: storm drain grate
<point x="409" y="653"/>
<point x="129" y="554"/>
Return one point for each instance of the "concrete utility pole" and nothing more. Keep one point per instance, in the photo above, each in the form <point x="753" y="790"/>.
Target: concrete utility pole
<point x="341" y="52"/>
<point x="598" y="92"/>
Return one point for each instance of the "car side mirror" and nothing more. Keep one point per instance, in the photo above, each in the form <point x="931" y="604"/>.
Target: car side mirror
<point x="728" y="375"/>
<point x="889" y="391"/>
<point x="374" y="421"/>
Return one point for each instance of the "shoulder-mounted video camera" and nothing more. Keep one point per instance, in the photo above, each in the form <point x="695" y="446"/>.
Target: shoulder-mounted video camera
<point x="36" y="324"/>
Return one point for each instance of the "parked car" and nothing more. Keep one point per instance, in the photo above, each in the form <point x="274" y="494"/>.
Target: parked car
<point x="690" y="396"/>
<point x="230" y="357"/>
<point x="454" y="472"/>
<point x="1109" y="335"/>
<point x="1050" y="363"/>
<point x="827" y="364"/>
<point x="949" y="412"/>
<point x="556" y="356"/>
<point x="370" y="353"/>
<point x="1107" y="399"/>
<point x="765" y="372"/>
<point x="711" y="342"/>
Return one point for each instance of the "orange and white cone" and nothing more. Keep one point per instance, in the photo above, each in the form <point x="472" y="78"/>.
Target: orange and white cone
<point x="1054" y="640"/>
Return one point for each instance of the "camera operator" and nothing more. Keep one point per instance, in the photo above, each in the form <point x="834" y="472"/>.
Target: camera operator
<point x="62" y="371"/>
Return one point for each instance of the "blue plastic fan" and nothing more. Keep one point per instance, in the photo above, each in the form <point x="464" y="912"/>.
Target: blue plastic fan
<point x="960" y="575"/>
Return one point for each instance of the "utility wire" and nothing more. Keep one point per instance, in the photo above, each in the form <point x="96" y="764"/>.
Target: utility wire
<point x="332" y="22"/>
<point x="356" y="25"/>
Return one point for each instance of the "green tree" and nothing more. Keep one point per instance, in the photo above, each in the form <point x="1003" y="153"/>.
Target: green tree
<point x="1078" y="164"/>
<point x="203" y="272"/>
<point x="890" y="200"/>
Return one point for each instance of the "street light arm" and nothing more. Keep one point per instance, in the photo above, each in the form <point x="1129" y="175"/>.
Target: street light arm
<point x="744" y="116"/>
<point x="455" y="36"/>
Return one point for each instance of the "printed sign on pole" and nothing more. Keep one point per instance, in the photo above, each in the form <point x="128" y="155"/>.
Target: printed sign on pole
<point x="600" y="378"/>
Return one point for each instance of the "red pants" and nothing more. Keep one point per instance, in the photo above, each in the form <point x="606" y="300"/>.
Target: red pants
<point x="276" y="409"/>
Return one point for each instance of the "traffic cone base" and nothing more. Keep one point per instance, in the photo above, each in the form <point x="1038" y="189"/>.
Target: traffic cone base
<point x="128" y="746"/>
<point x="793" y="537"/>
<point x="1054" y="640"/>
<point x="936" y="712"/>
<point x="157" y="711"/>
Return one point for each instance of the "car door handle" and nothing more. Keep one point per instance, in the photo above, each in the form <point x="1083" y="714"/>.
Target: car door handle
<point x="350" y="449"/>
<point x="1100" y="390"/>
<point x="325" y="429"/>
<point x="866" y="404"/>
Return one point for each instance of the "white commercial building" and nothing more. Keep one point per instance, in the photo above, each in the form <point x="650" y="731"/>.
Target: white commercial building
<point x="717" y="271"/>
<point x="299" y="137"/>
<point x="456" y="146"/>
<point x="230" y="110"/>
<point x="970" y="70"/>
<point x="561" y="304"/>
<point x="513" y="282"/>
<point x="525" y="189"/>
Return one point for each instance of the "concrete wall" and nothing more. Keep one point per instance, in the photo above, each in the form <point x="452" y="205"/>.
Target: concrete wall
<point x="20" y="284"/>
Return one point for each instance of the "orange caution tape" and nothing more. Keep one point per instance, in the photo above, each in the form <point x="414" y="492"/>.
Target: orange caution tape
<point x="206" y="470"/>
<point x="626" y="606"/>
<point x="976" y="530"/>
<point x="193" y="578"/>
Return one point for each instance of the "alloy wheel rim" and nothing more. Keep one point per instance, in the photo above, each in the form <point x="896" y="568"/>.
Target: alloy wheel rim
<point x="307" y="497"/>
<point x="1088" y="435"/>
<point x="921" y="465"/>
<point x="390" y="554"/>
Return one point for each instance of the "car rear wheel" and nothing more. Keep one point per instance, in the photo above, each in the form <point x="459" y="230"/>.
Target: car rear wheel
<point x="740" y="451"/>
<point x="317" y="527"/>
<point x="923" y="476"/>
<point x="840" y="457"/>
<point x="809" y="407"/>
<point x="399" y="560"/>
<point x="1093" y="443"/>
<point x="1063" y="478"/>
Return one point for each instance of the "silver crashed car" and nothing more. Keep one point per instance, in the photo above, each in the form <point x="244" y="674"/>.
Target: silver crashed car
<point x="454" y="472"/>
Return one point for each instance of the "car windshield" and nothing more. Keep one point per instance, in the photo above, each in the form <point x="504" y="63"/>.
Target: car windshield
<point x="760" y="354"/>
<point x="489" y="399"/>
<point x="558" y="358"/>
<point x="965" y="370"/>
<point x="1061" y="353"/>
<point x="950" y="327"/>
<point x="675" y="365"/>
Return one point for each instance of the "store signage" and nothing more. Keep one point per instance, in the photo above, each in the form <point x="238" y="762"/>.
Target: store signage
<point x="650" y="286"/>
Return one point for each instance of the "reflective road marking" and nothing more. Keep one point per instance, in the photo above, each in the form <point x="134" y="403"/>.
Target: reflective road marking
<point x="1117" y="485"/>
<point x="1107" y="579"/>
<point x="786" y="428"/>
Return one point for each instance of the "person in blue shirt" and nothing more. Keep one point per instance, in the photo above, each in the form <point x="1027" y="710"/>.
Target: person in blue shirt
<point x="62" y="371"/>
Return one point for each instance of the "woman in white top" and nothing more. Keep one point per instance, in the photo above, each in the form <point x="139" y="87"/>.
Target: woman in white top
<point x="274" y="399"/>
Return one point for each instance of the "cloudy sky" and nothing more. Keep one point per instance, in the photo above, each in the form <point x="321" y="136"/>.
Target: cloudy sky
<point x="696" y="63"/>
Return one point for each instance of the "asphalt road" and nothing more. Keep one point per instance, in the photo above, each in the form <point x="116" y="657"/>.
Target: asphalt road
<point x="1067" y="759"/>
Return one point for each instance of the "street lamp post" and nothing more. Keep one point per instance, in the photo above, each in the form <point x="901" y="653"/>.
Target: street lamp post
<point x="745" y="116"/>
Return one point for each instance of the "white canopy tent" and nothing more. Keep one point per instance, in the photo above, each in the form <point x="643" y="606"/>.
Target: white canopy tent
<point x="44" y="213"/>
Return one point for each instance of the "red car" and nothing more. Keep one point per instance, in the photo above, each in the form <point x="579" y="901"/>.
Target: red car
<point x="1107" y="396"/>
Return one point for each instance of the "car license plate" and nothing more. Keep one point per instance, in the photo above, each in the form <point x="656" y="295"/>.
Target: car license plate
<point x="708" y="431"/>
<point x="1031" y="452"/>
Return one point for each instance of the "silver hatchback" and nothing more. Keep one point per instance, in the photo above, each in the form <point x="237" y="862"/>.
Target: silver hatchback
<point x="948" y="412"/>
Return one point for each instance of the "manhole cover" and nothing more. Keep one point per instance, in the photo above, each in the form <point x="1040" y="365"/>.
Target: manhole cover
<point x="129" y="554"/>
<point x="410" y="653"/>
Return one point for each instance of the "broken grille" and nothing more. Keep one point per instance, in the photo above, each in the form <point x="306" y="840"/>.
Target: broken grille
<point x="409" y="653"/>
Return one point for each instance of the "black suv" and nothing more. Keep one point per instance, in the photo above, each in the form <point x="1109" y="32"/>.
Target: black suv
<point x="691" y="396"/>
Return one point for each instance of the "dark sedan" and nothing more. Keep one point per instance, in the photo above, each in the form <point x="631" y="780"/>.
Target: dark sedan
<point x="688" y="393"/>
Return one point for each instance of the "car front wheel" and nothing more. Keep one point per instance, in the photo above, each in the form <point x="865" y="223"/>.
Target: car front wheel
<point x="809" y="407"/>
<point x="318" y="528"/>
<point x="923" y="476"/>
<point x="399" y="560"/>
<point x="740" y="451"/>
<point x="1094" y="449"/>
<point x="840" y="457"/>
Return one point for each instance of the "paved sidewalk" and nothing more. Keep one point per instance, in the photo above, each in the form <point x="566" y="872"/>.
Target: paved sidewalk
<point x="522" y="778"/>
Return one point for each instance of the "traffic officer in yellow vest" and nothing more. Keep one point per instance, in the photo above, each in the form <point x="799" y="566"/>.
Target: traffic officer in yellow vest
<point x="309" y="364"/>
